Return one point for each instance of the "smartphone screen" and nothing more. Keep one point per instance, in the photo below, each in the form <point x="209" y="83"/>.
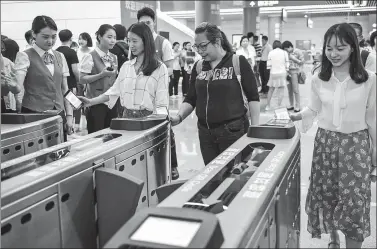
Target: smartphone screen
<point x="282" y="113"/>
<point x="73" y="100"/>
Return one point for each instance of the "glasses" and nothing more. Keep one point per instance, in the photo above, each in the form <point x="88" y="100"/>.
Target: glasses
<point x="202" y="47"/>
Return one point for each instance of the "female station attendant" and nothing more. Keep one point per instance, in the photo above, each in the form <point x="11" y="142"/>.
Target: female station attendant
<point x="43" y="72"/>
<point x="142" y="83"/>
<point x="98" y="70"/>
<point x="343" y="98"/>
<point x="216" y="94"/>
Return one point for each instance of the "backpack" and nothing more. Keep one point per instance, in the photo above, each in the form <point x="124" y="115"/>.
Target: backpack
<point x="364" y="56"/>
<point x="123" y="56"/>
<point x="237" y="71"/>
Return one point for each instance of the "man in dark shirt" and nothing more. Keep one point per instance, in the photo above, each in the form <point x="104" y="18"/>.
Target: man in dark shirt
<point x="70" y="55"/>
<point x="121" y="47"/>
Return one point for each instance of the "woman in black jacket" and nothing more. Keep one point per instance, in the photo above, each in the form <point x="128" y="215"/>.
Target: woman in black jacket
<point x="216" y="94"/>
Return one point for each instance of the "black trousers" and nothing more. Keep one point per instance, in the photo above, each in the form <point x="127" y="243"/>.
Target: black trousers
<point x="214" y="141"/>
<point x="264" y="75"/>
<point x="98" y="117"/>
<point x="173" y="85"/>
<point x="185" y="82"/>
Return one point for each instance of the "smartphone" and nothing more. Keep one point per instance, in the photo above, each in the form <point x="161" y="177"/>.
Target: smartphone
<point x="73" y="100"/>
<point x="282" y="113"/>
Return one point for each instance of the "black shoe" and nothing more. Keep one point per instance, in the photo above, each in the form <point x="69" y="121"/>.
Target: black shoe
<point x="297" y="110"/>
<point x="174" y="173"/>
<point x="290" y="108"/>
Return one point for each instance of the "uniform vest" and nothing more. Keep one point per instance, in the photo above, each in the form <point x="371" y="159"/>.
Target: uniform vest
<point x="43" y="91"/>
<point x="158" y="44"/>
<point x="100" y="86"/>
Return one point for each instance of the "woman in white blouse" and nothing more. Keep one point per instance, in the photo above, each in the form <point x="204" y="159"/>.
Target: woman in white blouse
<point x="343" y="97"/>
<point x="142" y="83"/>
<point x="278" y="63"/>
<point x="98" y="70"/>
<point x="246" y="50"/>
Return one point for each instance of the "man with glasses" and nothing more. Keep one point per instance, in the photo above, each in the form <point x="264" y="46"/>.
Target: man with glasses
<point x="368" y="59"/>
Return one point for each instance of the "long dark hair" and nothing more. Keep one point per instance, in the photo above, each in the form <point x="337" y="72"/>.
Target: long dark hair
<point x="150" y="62"/>
<point x="242" y="38"/>
<point x="213" y="33"/>
<point x="346" y="34"/>
<point x="85" y="36"/>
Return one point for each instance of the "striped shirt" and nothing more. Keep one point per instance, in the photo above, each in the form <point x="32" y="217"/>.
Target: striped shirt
<point x="141" y="92"/>
<point x="258" y="50"/>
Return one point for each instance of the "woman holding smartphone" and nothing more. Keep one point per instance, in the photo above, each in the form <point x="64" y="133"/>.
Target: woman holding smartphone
<point x="343" y="97"/>
<point x="142" y="83"/>
<point x="98" y="70"/>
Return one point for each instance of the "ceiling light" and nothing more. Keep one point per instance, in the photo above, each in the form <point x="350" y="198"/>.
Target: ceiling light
<point x="358" y="14"/>
<point x="306" y="16"/>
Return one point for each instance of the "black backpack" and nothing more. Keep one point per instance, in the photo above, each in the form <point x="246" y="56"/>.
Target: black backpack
<point x="123" y="55"/>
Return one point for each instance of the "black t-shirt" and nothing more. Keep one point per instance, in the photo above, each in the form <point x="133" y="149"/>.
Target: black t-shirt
<point x="71" y="58"/>
<point x="219" y="99"/>
<point x="120" y="49"/>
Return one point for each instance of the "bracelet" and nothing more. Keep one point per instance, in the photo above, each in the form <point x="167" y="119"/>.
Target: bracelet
<point x="180" y="118"/>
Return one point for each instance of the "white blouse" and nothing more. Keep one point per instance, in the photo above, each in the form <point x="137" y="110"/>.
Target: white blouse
<point x="344" y="107"/>
<point x="278" y="61"/>
<point x="141" y="92"/>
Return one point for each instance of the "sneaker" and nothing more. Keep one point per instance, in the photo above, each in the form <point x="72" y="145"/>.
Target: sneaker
<point x="174" y="173"/>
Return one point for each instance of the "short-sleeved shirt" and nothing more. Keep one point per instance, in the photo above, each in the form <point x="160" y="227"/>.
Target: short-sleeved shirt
<point x="87" y="63"/>
<point x="22" y="62"/>
<point x="71" y="58"/>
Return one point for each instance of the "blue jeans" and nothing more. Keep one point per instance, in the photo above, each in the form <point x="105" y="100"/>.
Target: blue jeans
<point x="214" y="141"/>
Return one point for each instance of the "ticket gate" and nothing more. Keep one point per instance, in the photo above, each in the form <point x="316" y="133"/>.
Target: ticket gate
<point x="22" y="134"/>
<point x="71" y="194"/>
<point x="252" y="189"/>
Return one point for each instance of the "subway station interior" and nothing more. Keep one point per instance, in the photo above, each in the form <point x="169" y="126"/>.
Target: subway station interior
<point x="188" y="124"/>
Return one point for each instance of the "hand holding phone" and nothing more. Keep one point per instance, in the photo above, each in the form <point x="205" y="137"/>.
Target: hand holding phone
<point x="73" y="99"/>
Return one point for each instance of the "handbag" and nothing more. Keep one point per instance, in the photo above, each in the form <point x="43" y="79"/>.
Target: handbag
<point x="301" y="77"/>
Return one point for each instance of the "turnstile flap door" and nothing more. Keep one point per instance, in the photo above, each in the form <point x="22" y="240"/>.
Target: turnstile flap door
<point x="117" y="198"/>
<point x="137" y="124"/>
<point x="165" y="190"/>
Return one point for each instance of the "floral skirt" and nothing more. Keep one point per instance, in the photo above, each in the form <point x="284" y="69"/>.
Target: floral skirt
<point x="339" y="194"/>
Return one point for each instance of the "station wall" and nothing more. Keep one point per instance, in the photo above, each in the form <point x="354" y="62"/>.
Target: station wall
<point x="87" y="16"/>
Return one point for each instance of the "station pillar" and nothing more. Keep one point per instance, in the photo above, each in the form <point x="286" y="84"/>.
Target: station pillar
<point x="207" y="11"/>
<point x="251" y="18"/>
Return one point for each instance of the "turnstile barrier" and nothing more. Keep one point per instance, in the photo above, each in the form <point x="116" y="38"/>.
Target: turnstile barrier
<point x="22" y="134"/>
<point x="252" y="188"/>
<point x="81" y="191"/>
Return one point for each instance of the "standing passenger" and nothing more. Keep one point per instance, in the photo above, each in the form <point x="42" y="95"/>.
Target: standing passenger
<point x="70" y="55"/>
<point x="217" y="94"/>
<point x="264" y="72"/>
<point x="343" y="97"/>
<point x="296" y="60"/>
<point x="278" y="63"/>
<point x="174" y="79"/>
<point x="164" y="53"/>
<point x="98" y="71"/>
<point x="43" y="72"/>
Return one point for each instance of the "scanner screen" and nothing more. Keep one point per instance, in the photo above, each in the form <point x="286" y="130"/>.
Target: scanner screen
<point x="166" y="231"/>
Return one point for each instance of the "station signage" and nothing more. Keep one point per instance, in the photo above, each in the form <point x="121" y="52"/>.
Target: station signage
<point x="264" y="4"/>
<point x="129" y="9"/>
